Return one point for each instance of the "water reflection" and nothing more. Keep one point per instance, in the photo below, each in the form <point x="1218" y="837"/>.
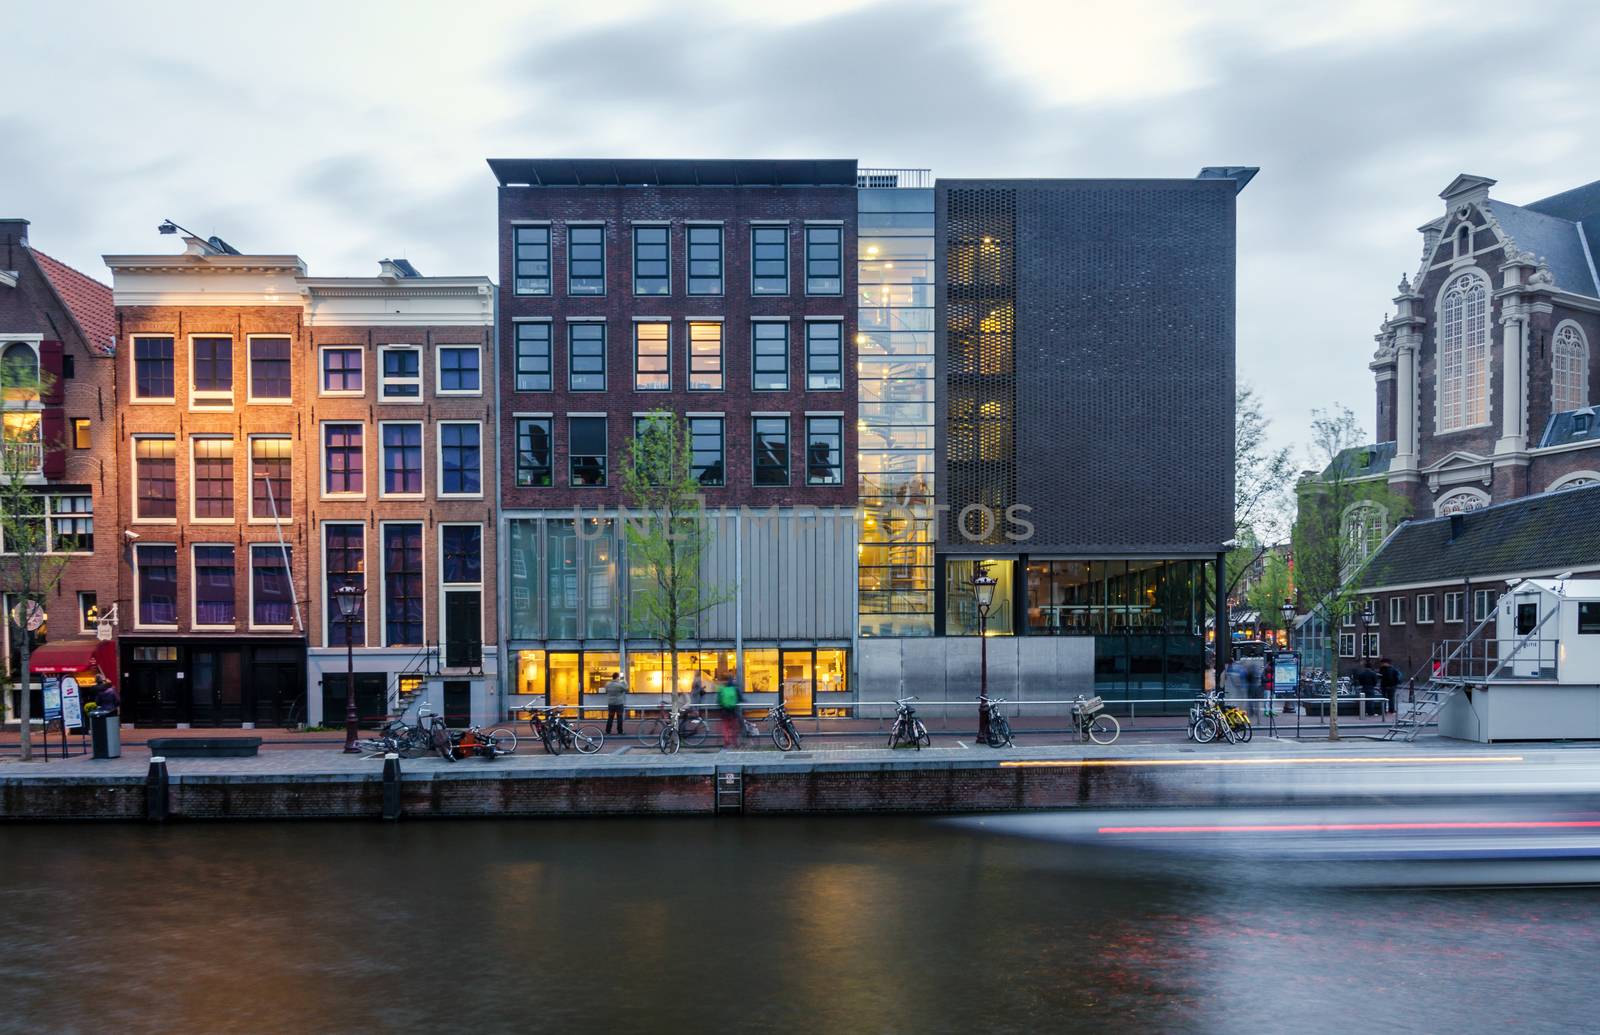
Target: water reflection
<point x="867" y="924"/>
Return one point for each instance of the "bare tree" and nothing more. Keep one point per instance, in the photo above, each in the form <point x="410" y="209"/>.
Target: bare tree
<point x="1262" y="477"/>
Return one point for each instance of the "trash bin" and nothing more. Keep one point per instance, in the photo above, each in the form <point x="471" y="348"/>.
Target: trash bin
<point x="106" y="733"/>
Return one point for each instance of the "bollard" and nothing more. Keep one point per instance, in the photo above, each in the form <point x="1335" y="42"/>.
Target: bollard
<point x="391" y="786"/>
<point x="155" y="791"/>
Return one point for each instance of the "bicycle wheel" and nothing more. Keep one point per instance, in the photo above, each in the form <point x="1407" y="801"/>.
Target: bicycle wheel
<point x="919" y="734"/>
<point x="552" y="740"/>
<point x="670" y="740"/>
<point x="502" y="741"/>
<point x="781" y="738"/>
<point x="443" y="744"/>
<point x="1205" y="730"/>
<point x="649" y="732"/>
<point x="1225" y="729"/>
<point x="894" y="734"/>
<point x="693" y="730"/>
<point x="1103" y="729"/>
<point x="1245" y="733"/>
<point x="588" y="739"/>
<point x="999" y="732"/>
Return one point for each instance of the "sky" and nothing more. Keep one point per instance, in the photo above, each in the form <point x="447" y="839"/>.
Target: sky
<point x="347" y="132"/>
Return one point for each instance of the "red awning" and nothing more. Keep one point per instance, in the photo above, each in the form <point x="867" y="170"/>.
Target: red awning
<point x="64" y="657"/>
<point x="105" y="652"/>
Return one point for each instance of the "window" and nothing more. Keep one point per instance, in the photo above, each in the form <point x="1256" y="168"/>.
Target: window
<point x="769" y="356"/>
<point x="271" y="465"/>
<point x="460" y="459"/>
<point x="1588" y="618"/>
<point x="402" y="585"/>
<point x="1464" y="354"/>
<point x="69" y="367"/>
<point x="71" y="524"/>
<point x="705" y="444"/>
<point x="23" y="442"/>
<point x="1365" y="525"/>
<point x="402" y="374"/>
<point x="533" y="357"/>
<point x="212" y="472"/>
<point x="152" y="369"/>
<point x="21" y="366"/>
<point x="1569" y="376"/>
<point x="652" y="267"/>
<point x="88" y="611"/>
<point x="269" y="369"/>
<point x="341" y="371"/>
<point x="157" y="584"/>
<point x="213" y="585"/>
<point x="532" y="245"/>
<point x="652" y="367"/>
<point x="824" y="450"/>
<point x="459" y="372"/>
<point x="705" y="260"/>
<point x="1461" y="502"/>
<point x="211" y="366"/>
<point x="402" y="459"/>
<point x="461" y="571"/>
<point x="1370" y="648"/>
<point x="345" y="552"/>
<point x="1397" y="610"/>
<point x="155" y="473"/>
<point x="81" y="437"/>
<point x="586" y="446"/>
<point x="271" y="599"/>
<point x="769" y="260"/>
<point x="1482" y="603"/>
<point x="1347" y="645"/>
<point x="342" y="462"/>
<point x="823" y="367"/>
<point x="1463" y="242"/>
<point x="586" y="260"/>
<point x="1452" y="607"/>
<point x="705" y="357"/>
<point x="533" y="452"/>
<point x="824" y="260"/>
<point x="771" y="450"/>
<point x="461" y="553"/>
<point x="1424" y="606"/>
<point x="586" y="357"/>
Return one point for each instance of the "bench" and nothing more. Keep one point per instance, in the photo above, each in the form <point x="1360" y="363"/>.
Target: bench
<point x="205" y="747"/>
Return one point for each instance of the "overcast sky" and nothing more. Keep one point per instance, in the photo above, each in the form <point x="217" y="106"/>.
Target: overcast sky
<point x="347" y="132"/>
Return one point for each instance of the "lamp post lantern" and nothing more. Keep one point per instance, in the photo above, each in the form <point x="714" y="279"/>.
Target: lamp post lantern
<point x="1287" y="610"/>
<point x="349" y="598"/>
<point x="983" y="592"/>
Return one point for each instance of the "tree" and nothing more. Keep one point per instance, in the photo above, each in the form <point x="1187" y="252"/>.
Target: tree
<point x="667" y="537"/>
<point x="1261" y="476"/>
<point x="1267" y="594"/>
<point x="28" y="570"/>
<point x="1345" y="512"/>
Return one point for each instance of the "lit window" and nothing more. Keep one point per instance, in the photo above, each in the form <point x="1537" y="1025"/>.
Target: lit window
<point x="23" y="441"/>
<point x="533" y="452"/>
<point x="824" y="260"/>
<point x="269" y="369"/>
<point x="271" y="466"/>
<point x="402" y="374"/>
<point x="824" y="451"/>
<point x="769" y="356"/>
<point x="271" y="599"/>
<point x="341" y="371"/>
<point x="460" y="459"/>
<point x="769" y="260"/>
<point x="81" y="437"/>
<point x="586" y="260"/>
<point x="586" y="357"/>
<point x="213" y="585"/>
<point x="771" y="435"/>
<point x="705" y="441"/>
<point x="1464" y="354"/>
<point x="402" y="459"/>
<point x="211" y="363"/>
<point x="652" y="365"/>
<point x="343" y="464"/>
<point x="705" y="260"/>
<point x="652" y="268"/>
<point x="152" y="368"/>
<point x="705" y="357"/>
<point x="823" y="355"/>
<point x="533" y="357"/>
<point x="459" y="372"/>
<point x="155" y="472"/>
<point x="157" y="584"/>
<point x="586" y="446"/>
<point x="213" y="479"/>
<point x="1569" y="357"/>
<point x="532" y="244"/>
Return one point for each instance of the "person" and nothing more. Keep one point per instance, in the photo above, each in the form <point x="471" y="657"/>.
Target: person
<point x="728" y="699"/>
<point x="616" y="701"/>
<point x="698" y="690"/>
<point x="1366" y="680"/>
<point x="106" y="700"/>
<point x="1389" y="683"/>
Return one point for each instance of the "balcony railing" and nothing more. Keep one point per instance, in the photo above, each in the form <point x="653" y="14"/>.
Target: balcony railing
<point x="921" y="179"/>
<point x="22" y="457"/>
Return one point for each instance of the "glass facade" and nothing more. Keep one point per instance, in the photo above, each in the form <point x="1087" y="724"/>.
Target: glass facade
<point x="896" y="284"/>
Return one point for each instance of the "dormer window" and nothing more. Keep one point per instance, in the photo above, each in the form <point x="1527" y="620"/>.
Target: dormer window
<point x="1463" y="242"/>
<point x="1580" y="424"/>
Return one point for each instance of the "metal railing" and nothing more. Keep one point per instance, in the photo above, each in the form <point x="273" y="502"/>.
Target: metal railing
<point x="1479" y="661"/>
<point x="22" y="456"/>
<point x="876" y="177"/>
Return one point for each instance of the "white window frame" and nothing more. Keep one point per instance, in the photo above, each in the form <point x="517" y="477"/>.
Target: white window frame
<point x="1423" y="609"/>
<point x="250" y="569"/>
<point x="133" y="475"/>
<point x="1458" y="598"/>
<point x="1568" y="332"/>
<point x="194" y="592"/>
<point x="330" y="606"/>
<point x="1350" y="650"/>
<point x="51" y="515"/>
<point x="83" y="626"/>
<point x="1481" y="350"/>
<point x="1372" y="648"/>
<point x="1397" y="610"/>
<point x="445" y="587"/>
<point x="1473" y="499"/>
<point x="134" y="399"/>
<point x="1489" y="598"/>
<point x="250" y="372"/>
<point x="438" y="369"/>
<point x="322" y="460"/>
<point x="212" y="401"/>
<point x="138" y="611"/>
<point x="383" y="463"/>
<point x="250" y="466"/>
<point x="385" y="382"/>
<point x="194" y="487"/>
<point x="322" y="371"/>
<point x="438" y="460"/>
<point x="383" y="579"/>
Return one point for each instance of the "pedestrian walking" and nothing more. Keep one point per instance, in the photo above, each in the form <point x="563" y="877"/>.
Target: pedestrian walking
<point x="728" y="699"/>
<point x="1366" y="680"/>
<point x="1389" y="683"/>
<point x="616" y="701"/>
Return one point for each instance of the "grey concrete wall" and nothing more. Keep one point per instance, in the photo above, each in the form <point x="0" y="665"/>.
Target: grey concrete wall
<point x="945" y="670"/>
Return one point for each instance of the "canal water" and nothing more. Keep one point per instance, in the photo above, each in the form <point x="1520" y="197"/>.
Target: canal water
<point x="825" y="925"/>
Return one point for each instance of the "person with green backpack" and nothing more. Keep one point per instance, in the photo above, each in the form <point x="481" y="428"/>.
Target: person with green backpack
<point x="728" y="699"/>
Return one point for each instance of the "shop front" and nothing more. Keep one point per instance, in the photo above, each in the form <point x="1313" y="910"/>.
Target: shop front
<point x="201" y="682"/>
<point x="83" y="660"/>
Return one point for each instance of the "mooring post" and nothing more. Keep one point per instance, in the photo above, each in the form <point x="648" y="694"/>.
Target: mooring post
<point x="391" y="786"/>
<point x="155" y="790"/>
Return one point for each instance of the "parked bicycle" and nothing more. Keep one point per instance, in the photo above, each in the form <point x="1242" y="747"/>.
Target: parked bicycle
<point x="561" y="734"/>
<point x="784" y="734"/>
<point x="907" y="728"/>
<point x="693" y="729"/>
<point x="1092" y="721"/>
<point x="999" y="727"/>
<point x="1211" y="718"/>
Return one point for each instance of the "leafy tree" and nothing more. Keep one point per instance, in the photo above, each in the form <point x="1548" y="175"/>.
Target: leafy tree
<point x="1267" y="594"/>
<point x="667" y="536"/>
<point x="28" y="570"/>
<point x="1262" y="477"/>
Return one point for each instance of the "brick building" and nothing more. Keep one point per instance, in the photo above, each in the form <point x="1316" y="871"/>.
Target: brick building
<point x="279" y="436"/>
<point x="58" y="322"/>
<point x="720" y="291"/>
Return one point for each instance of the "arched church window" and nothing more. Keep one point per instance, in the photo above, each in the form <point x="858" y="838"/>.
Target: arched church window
<point x="1569" y="375"/>
<point x="1463" y="376"/>
<point x="1460" y="502"/>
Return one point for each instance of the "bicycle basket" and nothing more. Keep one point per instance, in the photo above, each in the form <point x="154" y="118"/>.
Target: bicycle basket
<point x="1093" y="706"/>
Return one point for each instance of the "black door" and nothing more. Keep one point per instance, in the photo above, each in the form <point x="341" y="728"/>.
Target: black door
<point x="463" y="629"/>
<point x="151" y="697"/>
<point x="372" y="698"/>
<point x="216" y="692"/>
<point x="457" y="702"/>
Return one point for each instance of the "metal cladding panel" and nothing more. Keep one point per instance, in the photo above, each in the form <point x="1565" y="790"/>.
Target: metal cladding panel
<point x="1123" y="359"/>
<point x="718" y="568"/>
<point x="799" y="576"/>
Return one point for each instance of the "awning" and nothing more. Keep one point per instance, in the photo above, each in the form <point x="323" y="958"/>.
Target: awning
<point x="64" y="657"/>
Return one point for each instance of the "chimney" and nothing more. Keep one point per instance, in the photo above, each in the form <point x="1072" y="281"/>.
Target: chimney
<point x="13" y="231"/>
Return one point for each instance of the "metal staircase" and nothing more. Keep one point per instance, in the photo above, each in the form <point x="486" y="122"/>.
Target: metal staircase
<point x="422" y="667"/>
<point x="1457" y="665"/>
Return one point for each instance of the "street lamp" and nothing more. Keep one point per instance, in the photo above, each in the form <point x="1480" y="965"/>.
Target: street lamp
<point x="1287" y="610"/>
<point x="349" y="598"/>
<point x="983" y="591"/>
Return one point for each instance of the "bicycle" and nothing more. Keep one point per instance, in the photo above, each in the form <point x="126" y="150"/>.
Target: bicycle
<point x="1092" y="721"/>
<point x="693" y="728"/>
<point x="907" y="728"/>
<point x="784" y="735"/>
<point x="999" y="727"/>
<point x="586" y="739"/>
